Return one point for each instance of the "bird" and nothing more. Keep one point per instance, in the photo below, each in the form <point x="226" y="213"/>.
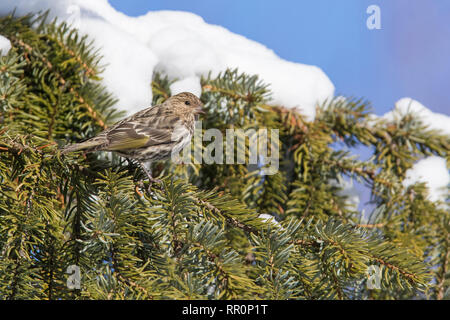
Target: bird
<point x="152" y="134"/>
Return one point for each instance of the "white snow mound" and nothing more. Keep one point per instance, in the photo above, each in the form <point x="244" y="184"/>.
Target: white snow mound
<point x="183" y="46"/>
<point x="433" y="171"/>
<point x="5" y="45"/>
<point x="433" y="120"/>
<point x="189" y="84"/>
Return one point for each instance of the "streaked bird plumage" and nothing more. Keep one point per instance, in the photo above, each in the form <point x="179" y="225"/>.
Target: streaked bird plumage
<point x="151" y="134"/>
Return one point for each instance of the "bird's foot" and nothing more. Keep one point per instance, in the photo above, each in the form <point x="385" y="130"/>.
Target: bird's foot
<point x="152" y="180"/>
<point x="155" y="180"/>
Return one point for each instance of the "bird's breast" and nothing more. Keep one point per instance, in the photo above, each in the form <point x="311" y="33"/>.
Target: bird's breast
<point x="181" y="136"/>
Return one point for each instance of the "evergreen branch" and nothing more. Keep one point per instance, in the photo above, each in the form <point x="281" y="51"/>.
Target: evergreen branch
<point x="84" y="65"/>
<point x="444" y="269"/>
<point x="359" y="168"/>
<point x="125" y="279"/>
<point x="230" y="220"/>
<point x="371" y="225"/>
<point x="61" y="80"/>
<point x="410" y="276"/>
<point x="230" y="93"/>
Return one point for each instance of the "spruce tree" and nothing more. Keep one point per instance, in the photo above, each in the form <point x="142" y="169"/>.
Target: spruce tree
<point x="198" y="234"/>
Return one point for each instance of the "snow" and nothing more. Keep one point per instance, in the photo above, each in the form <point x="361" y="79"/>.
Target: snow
<point x="347" y="190"/>
<point x="433" y="171"/>
<point x="181" y="45"/>
<point x="129" y="64"/>
<point x="189" y="84"/>
<point x="5" y="45"/>
<point x="269" y="219"/>
<point x="434" y="120"/>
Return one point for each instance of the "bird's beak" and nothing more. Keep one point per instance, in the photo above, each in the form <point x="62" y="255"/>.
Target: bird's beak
<point x="199" y="110"/>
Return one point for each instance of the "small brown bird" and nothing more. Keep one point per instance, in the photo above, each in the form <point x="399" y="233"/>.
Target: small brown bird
<point x="151" y="134"/>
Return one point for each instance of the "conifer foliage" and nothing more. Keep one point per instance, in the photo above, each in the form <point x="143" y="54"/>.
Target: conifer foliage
<point x="199" y="234"/>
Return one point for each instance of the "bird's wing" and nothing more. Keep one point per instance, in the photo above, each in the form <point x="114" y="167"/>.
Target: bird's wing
<point x="143" y="132"/>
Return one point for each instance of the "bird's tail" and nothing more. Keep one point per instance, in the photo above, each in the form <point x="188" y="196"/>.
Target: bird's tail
<point x="88" y="145"/>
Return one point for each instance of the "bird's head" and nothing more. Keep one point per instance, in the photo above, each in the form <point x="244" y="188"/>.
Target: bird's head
<point x="186" y="102"/>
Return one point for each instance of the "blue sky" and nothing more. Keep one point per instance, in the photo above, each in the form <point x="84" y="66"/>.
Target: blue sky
<point x="409" y="56"/>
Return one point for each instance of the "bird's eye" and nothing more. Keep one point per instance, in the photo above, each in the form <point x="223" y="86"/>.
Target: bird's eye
<point x="187" y="103"/>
